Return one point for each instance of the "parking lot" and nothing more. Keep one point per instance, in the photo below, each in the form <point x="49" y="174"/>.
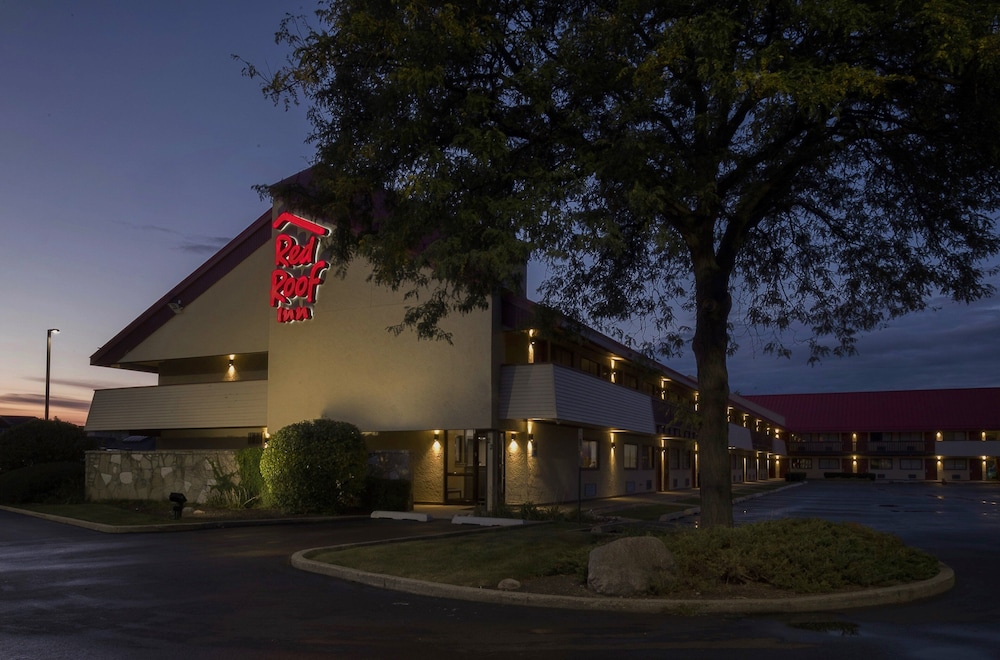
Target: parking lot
<point x="67" y="592"/>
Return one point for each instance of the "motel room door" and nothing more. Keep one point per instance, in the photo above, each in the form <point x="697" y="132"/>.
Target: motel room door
<point x="466" y="467"/>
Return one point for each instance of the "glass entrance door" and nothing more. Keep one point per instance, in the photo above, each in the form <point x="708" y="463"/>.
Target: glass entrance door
<point x="465" y="477"/>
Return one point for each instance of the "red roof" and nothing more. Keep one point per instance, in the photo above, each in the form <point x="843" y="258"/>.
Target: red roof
<point x="904" y="410"/>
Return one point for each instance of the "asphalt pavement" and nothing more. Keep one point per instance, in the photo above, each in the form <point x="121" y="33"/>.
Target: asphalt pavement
<point x="68" y="592"/>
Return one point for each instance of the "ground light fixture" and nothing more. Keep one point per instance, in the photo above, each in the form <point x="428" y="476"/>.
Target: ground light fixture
<point x="48" y="365"/>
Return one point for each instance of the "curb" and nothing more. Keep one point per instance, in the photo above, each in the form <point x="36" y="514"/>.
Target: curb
<point x="175" y="527"/>
<point x="904" y="593"/>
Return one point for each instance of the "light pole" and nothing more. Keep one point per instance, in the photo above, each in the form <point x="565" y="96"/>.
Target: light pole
<point x="48" y="365"/>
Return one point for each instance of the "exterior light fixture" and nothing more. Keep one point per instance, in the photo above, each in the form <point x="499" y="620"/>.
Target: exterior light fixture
<point x="48" y="365"/>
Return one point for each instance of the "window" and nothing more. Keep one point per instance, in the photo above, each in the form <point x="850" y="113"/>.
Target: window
<point x="631" y="456"/>
<point x="647" y="457"/>
<point x="829" y="464"/>
<point x="588" y="454"/>
<point x="802" y="463"/>
<point x="563" y="356"/>
<point x="911" y="464"/>
<point x="882" y="464"/>
<point x="590" y="367"/>
<point x="950" y="436"/>
<point x="956" y="464"/>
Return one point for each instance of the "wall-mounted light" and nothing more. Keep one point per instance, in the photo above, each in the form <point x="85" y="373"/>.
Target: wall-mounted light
<point x="437" y="440"/>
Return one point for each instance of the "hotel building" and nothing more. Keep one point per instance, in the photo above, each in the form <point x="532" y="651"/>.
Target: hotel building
<point x="264" y="335"/>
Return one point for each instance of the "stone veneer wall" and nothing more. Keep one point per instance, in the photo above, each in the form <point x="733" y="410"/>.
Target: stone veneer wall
<point x="153" y="475"/>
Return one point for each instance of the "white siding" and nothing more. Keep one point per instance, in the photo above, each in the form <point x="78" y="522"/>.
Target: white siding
<point x="195" y="406"/>
<point x="967" y="448"/>
<point x="553" y="392"/>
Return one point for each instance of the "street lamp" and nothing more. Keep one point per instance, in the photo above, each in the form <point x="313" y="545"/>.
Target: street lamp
<point x="48" y="365"/>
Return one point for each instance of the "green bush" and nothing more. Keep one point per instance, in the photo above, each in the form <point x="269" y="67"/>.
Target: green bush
<point x="42" y="441"/>
<point x="795" y="476"/>
<point x="316" y="466"/>
<point x="804" y="555"/>
<point x="43" y="483"/>
<point x="387" y="494"/>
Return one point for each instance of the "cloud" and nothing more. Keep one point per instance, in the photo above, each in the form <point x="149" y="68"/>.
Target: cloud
<point x="192" y="243"/>
<point x="950" y="346"/>
<point x="203" y="244"/>
<point x="38" y="401"/>
<point x="88" y="385"/>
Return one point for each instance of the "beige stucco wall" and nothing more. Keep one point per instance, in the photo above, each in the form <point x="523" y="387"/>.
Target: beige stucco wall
<point x="426" y="461"/>
<point x="549" y="476"/>
<point x="344" y="364"/>
<point x="231" y="317"/>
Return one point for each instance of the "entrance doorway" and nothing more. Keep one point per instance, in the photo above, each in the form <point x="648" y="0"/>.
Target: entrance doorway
<point x="466" y="460"/>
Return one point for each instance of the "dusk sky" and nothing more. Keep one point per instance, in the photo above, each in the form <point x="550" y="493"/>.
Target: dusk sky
<point x="129" y="147"/>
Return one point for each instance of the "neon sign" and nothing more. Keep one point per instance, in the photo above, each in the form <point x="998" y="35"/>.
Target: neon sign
<point x="298" y="271"/>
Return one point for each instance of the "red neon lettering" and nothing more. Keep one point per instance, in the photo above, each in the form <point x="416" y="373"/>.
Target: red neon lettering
<point x="288" y="253"/>
<point x="294" y="314"/>
<point x="285" y="286"/>
<point x="293" y="289"/>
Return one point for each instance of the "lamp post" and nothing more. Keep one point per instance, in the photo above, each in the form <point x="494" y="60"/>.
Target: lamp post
<point x="48" y="365"/>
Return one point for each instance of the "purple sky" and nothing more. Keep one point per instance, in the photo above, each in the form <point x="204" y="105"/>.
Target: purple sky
<point x="128" y="149"/>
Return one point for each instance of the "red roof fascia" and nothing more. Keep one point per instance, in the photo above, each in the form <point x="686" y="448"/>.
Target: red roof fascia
<point x="900" y="410"/>
<point x="195" y="284"/>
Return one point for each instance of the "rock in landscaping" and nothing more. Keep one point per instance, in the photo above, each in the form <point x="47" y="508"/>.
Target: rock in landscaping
<point x="509" y="584"/>
<point x="629" y="567"/>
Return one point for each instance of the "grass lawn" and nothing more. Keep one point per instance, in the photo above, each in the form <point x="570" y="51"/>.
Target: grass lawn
<point x="791" y="556"/>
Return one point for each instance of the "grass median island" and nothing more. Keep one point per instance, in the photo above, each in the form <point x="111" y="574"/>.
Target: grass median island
<point x="777" y="558"/>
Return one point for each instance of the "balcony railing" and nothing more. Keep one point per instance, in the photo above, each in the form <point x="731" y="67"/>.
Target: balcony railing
<point x="812" y="448"/>
<point x="896" y="448"/>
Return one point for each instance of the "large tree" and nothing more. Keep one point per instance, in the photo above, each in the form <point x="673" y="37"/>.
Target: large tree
<point x="826" y="164"/>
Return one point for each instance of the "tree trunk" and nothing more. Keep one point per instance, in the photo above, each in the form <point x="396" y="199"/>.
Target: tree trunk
<point x="711" y="341"/>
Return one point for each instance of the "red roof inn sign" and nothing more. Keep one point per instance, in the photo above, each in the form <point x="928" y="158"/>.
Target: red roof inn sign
<point x="298" y="271"/>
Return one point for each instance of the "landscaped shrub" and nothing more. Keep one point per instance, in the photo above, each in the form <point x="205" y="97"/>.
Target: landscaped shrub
<point x="246" y="491"/>
<point x="44" y="483"/>
<point x="383" y="494"/>
<point x="804" y="555"/>
<point x="795" y="476"/>
<point x="316" y="466"/>
<point x="42" y="441"/>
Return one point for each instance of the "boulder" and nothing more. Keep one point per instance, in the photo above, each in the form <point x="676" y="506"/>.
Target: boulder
<point x="629" y="567"/>
<point x="509" y="584"/>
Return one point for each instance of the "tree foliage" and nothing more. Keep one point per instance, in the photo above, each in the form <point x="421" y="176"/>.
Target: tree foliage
<point x="826" y="164"/>
<point x="43" y="441"/>
<point x="316" y="466"/>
